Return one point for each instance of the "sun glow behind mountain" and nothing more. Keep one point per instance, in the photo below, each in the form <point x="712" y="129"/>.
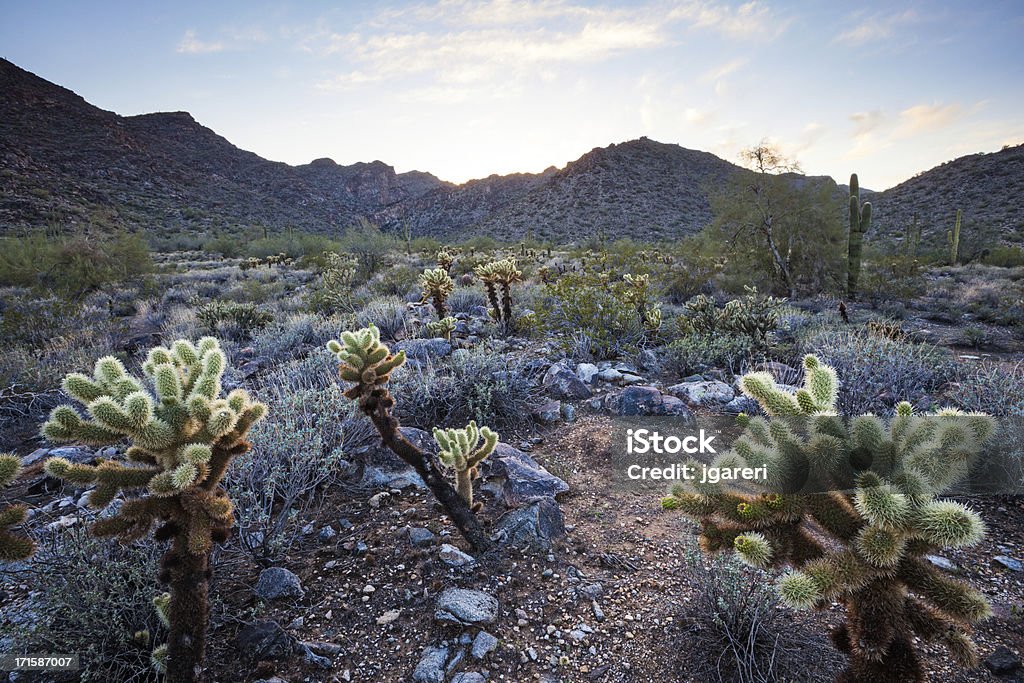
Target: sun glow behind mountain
<point x="465" y="88"/>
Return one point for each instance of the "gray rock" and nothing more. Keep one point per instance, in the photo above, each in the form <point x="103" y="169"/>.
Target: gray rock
<point x="942" y="562"/>
<point x="483" y="645"/>
<point x="741" y="404"/>
<point x="568" y="412"/>
<point x="702" y="393"/>
<point x="466" y="607"/>
<point x="311" y="657"/>
<point x="562" y="383"/>
<point x="1003" y="661"/>
<point x="453" y="557"/>
<point x="265" y="639"/>
<point x="430" y="668"/>
<point x="1009" y="563"/>
<point x="420" y="537"/>
<point x="609" y="375"/>
<point x="549" y="412"/>
<point x="277" y="582"/>
<point x="75" y="454"/>
<point x="586" y="372"/>
<point x="647" y="400"/>
<point x="424" y="349"/>
<point x="520" y="478"/>
<point x="327" y="533"/>
<point x="468" y="677"/>
<point x="534" y="526"/>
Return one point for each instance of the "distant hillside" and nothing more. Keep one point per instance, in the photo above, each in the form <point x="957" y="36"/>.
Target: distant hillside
<point x="987" y="187"/>
<point x="66" y="162"/>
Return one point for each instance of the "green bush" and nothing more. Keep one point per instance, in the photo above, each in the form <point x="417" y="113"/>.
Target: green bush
<point x="697" y="353"/>
<point x="232" y="320"/>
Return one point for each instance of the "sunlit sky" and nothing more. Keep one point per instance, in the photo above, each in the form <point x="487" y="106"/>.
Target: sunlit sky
<point x="466" y="88"/>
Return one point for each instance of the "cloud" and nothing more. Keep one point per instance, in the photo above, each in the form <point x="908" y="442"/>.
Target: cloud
<point x="190" y="44"/>
<point x="865" y="122"/>
<point x="720" y="72"/>
<point x="928" y="117"/>
<point x="749" y="20"/>
<point x="875" y="28"/>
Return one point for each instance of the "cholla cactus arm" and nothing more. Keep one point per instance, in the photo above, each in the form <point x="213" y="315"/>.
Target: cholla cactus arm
<point x="182" y="435"/>
<point x="442" y="328"/>
<point x="367" y="364"/>
<point x="462" y="451"/>
<point x="437" y="285"/>
<point x="12" y="546"/>
<point x="850" y="510"/>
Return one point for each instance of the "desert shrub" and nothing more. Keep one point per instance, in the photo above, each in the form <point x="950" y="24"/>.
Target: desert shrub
<point x="464" y="300"/>
<point x="878" y="372"/>
<point x="389" y="314"/>
<point x="1004" y="257"/>
<point x="989" y="388"/>
<point x="736" y="629"/>
<point x="752" y="315"/>
<point x="297" y="449"/>
<point x="294" y="336"/>
<point x="30" y="321"/>
<point x="91" y="597"/>
<point x="592" y="307"/>
<point x="892" y="277"/>
<point x="397" y="281"/>
<point x="473" y="384"/>
<point x="232" y="320"/>
<point x="72" y="265"/>
<point x="702" y="352"/>
<point x="332" y="293"/>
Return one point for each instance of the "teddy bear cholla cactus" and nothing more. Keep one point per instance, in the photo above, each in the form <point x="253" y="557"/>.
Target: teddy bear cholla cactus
<point x="504" y="273"/>
<point x="368" y="364"/>
<point x="850" y="511"/>
<point x="437" y="285"/>
<point x="442" y="328"/>
<point x="182" y="438"/>
<point x="462" y="451"/>
<point x="12" y="546"/>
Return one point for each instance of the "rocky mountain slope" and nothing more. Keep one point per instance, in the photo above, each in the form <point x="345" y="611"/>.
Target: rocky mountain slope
<point x="65" y="162"/>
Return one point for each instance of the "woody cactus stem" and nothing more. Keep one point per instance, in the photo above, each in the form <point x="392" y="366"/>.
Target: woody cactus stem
<point x="368" y="364"/>
<point x="850" y="510"/>
<point x="462" y="451"/>
<point x="182" y="436"/>
<point x="860" y="221"/>
<point x="12" y="546"/>
<point x="489" y="276"/>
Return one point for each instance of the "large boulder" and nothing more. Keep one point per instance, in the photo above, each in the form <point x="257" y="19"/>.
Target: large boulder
<point x="561" y="382"/>
<point x="711" y="393"/>
<point x="466" y="607"/>
<point x="533" y="526"/>
<point x="646" y="401"/>
<point x="518" y="479"/>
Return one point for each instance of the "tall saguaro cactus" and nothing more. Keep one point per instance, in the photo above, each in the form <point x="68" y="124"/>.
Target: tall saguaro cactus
<point x="182" y="436"/>
<point x="850" y="510"/>
<point x="953" y="237"/>
<point x="12" y="546"/>
<point x="368" y="364"/>
<point x="860" y="221"/>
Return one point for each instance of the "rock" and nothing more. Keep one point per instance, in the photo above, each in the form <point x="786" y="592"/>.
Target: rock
<point x="649" y="361"/>
<point x="311" y="657"/>
<point x="327" y="533"/>
<point x="702" y="393"/>
<point x="568" y="412"/>
<point x="609" y="375"/>
<point x="468" y="677"/>
<point x="647" y="400"/>
<point x="942" y="562"/>
<point x="519" y="478"/>
<point x="75" y="454"/>
<point x="534" y="526"/>
<point x="466" y="607"/>
<point x="628" y="379"/>
<point x="273" y="679"/>
<point x="1003" y="661"/>
<point x="562" y="383"/>
<point x="375" y="477"/>
<point x="453" y="557"/>
<point x="277" y="582"/>
<point x="389" y="617"/>
<point x="423" y="349"/>
<point x="586" y="372"/>
<point x="265" y="639"/>
<point x="1008" y="562"/>
<point x="420" y="537"/>
<point x="741" y="404"/>
<point x="549" y="412"/>
<point x="483" y="645"/>
<point x="598" y="612"/>
<point x="430" y="668"/>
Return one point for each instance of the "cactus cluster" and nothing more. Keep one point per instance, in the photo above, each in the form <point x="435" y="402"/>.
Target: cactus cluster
<point x="182" y="435"/>
<point x="860" y="222"/>
<point x="13" y="546"/>
<point x="367" y="364"/>
<point x="437" y="285"/>
<point x="753" y="315"/>
<point x="445" y="258"/>
<point x="503" y="274"/>
<point x="462" y="451"/>
<point x="849" y="511"/>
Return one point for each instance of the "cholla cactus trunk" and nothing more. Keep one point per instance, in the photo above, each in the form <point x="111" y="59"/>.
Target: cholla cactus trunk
<point x="437" y="285"/>
<point x="183" y="436"/>
<point x="13" y="546"/>
<point x="860" y="221"/>
<point x="368" y="364"/>
<point x="850" y="512"/>
<point x="492" y="297"/>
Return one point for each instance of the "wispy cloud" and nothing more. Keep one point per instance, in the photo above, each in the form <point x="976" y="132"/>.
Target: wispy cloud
<point x="928" y="117"/>
<point x="749" y="20"/>
<point x="190" y="44"/>
<point x="876" y="27"/>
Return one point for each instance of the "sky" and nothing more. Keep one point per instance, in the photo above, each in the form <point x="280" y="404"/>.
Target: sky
<point x="467" y="88"/>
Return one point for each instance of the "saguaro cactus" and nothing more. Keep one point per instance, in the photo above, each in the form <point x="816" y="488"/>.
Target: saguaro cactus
<point x="12" y="546"/>
<point x="182" y="438"/>
<point x="437" y="285"/>
<point x="462" y="451"/>
<point x="368" y="364"/>
<point x="860" y="221"/>
<point x="953" y="237"/>
<point x="850" y="510"/>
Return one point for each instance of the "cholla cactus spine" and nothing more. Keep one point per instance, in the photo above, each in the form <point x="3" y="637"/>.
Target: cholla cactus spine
<point x="437" y="285"/>
<point x="182" y="438"/>
<point x="882" y="477"/>
<point x="12" y="546"/>
<point x="462" y="451"/>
